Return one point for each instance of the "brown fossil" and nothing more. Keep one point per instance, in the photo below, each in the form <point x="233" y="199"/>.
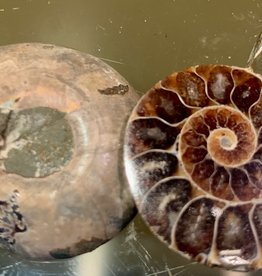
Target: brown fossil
<point x="193" y="157"/>
<point x="60" y="151"/>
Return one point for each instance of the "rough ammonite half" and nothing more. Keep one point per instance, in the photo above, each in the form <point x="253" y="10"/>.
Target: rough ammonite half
<point x="193" y="157"/>
<point x="62" y="115"/>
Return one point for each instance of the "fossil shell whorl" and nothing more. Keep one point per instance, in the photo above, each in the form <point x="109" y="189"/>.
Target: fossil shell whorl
<point x="62" y="116"/>
<point x="193" y="157"/>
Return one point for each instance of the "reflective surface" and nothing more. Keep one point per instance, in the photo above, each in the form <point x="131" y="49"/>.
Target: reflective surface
<point x="145" y="41"/>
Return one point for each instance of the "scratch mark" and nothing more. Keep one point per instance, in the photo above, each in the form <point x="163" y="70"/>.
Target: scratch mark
<point x="100" y="27"/>
<point x="140" y="256"/>
<point x="147" y="255"/>
<point x="10" y="266"/>
<point x="109" y="268"/>
<point x="238" y="16"/>
<point x="111" y="60"/>
<point x="15" y="8"/>
<point x="134" y="245"/>
<point x="147" y="262"/>
<point x="182" y="271"/>
<point x="2" y="10"/>
<point x="169" y="270"/>
<point x="131" y="233"/>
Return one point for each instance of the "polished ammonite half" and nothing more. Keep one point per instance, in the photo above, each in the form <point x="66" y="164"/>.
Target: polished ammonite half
<point x="62" y="115"/>
<point x="193" y="157"/>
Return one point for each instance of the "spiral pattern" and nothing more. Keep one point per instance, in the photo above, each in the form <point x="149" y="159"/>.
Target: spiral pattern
<point x="193" y="158"/>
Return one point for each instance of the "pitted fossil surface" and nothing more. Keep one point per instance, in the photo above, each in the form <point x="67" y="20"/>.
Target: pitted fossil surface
<point x="63" y="189"/>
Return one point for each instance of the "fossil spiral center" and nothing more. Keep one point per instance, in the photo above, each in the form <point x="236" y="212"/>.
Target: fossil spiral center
<point x="228" y="142"/>
<point x="220" y="133"/>
<point x="221" y="139"/>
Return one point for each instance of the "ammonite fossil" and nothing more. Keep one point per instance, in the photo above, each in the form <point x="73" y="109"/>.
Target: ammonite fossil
<point x="193" y="157"/>
<point x="62" y="115"/>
